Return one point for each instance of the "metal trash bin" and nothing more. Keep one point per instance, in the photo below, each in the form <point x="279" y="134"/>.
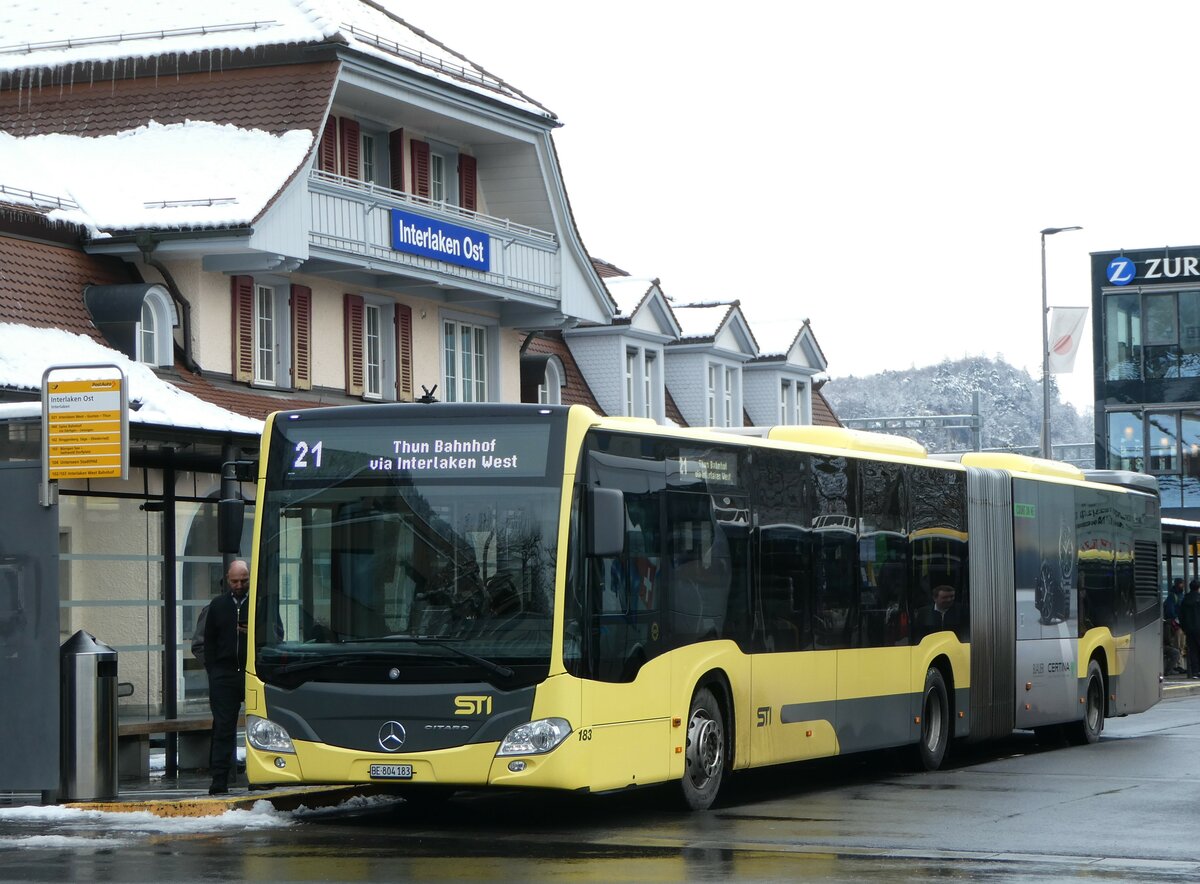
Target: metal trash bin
<point x="88" y="770"/>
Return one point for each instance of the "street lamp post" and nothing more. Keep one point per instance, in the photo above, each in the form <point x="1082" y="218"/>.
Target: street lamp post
<point x="1047" y="451"/>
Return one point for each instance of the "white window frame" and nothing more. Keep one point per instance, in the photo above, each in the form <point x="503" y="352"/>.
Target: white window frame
<point x="368" y="163"/>
<point x="712" y="395"/>
<point x="727" y="392"/>
<point x="466" y="377"/>
<point x="373" y="339"/>
<point x="437" y="177"/>
<point x="265" y="338"/>
<point x="550" y="389"/>
<point x="649" y="360"/>
<point x="147" y="329"/>
<point x="154" y="342"/>
<point x="630" y="371"/>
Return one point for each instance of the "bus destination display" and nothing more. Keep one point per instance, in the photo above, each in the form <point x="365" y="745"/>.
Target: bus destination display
<point x="444" y="451"/>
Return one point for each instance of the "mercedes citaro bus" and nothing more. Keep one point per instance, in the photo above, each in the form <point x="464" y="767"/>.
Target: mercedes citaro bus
<point x="471" y="596"/>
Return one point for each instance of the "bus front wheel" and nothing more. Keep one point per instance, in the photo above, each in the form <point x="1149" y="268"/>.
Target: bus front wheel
<point x="704" y="754"/>
<point x="1088" y="730"/>
<point x="935" y="721"/>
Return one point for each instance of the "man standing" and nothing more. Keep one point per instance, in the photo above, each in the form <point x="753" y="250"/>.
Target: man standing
<point x="1172" y="632"/>
<point x="1189" y="619"/>
<point x="225" y="662"/>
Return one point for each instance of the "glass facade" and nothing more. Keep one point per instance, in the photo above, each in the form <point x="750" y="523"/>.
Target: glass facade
<point x="1151" y="335"/>
<point x="111" y="560"/>
<point x="1148" y="376"/>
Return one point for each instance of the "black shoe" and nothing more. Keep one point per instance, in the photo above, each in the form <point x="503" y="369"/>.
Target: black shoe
<point x="218" y="788"/>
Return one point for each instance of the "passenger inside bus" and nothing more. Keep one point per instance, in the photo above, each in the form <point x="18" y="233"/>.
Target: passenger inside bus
<point x="942" y="614"/>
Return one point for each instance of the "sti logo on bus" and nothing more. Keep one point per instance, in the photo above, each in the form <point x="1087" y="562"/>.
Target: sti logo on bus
<point x="472" y="705"/>
<point x="1121" y="271"/>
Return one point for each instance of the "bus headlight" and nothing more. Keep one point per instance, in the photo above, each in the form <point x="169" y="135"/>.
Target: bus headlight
<point x="536" y="737"/>
<point x="267" y="736"/>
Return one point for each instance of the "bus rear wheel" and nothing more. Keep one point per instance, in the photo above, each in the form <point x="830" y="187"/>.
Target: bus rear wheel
<point x="1080" y="733"/>
<point x="704" y="753"/>
<point x="935" y="721"/>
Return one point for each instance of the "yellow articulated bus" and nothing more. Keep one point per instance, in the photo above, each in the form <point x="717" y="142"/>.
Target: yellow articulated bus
<point x="471" y="596"/>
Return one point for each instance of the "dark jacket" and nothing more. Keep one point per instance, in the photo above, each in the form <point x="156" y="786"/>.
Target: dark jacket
<point x="224" y="646"/>
<point x="1171" y="605"/>
<point x="1189" y="613"/>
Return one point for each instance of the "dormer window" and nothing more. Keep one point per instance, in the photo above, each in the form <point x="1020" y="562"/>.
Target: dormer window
<point x="135" y="319"/>
<point x="155" y="344"/>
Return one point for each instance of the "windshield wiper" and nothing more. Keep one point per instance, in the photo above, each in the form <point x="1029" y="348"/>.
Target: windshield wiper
<point x="490" y="665"/>
<point x="329" y="660"/>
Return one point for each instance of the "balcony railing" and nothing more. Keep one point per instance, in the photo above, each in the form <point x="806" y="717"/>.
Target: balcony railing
<point x="353" y="218"/>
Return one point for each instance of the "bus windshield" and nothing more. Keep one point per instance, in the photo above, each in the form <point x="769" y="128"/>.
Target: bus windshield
<point x="412" y="562"/>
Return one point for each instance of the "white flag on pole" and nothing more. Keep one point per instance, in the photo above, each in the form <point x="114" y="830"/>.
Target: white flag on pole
<point x="1066" y="331"/>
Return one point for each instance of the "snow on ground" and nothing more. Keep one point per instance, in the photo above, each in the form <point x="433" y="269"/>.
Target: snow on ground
<point x="67" y="819"/>
<point x="60" y="827"/>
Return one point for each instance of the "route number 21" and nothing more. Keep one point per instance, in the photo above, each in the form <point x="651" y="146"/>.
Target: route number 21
<point x="303" y="450"/>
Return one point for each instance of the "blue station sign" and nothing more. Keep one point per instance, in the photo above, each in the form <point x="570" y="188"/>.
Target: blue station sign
<point x="430" y="238"/>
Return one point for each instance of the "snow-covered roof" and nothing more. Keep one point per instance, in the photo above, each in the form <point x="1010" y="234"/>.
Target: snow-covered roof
<point x="701" y="320"/>
<point x="26" y="352"/>
<point x="628" y="292"/>
<point x="121" y="182"/>
<point x="776" y="339"/>
<point x="36" y="35"/>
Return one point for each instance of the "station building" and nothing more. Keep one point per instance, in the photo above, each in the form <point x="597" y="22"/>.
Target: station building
<point x="306" y="204"/>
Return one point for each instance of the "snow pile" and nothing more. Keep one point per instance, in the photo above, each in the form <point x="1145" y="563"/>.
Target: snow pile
<point x="57" y="824"/>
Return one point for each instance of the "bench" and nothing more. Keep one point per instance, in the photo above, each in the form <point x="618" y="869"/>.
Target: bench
<point x="133" y="743"/>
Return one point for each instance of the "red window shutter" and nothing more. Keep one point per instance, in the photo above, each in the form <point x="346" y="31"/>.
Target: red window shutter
<point x="350" y="147"/>
<point x="396" y="158"/>
<point x="242" y="289"/>
<point x="327" y="152"/>
<point x="466" y="181"/>
<point x="355" y="382"/>
<point x="302" y="337"/>
<point x="404" y="366"/>
<point x="420" y="168"/>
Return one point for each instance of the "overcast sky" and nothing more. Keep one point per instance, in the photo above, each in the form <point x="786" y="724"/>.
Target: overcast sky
<point x="882" y="168"/>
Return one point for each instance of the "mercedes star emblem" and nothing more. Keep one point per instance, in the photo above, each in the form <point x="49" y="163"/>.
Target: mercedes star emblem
<point x="391" y="736"/>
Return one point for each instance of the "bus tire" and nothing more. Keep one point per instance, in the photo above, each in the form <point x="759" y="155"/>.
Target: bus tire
<point x="705" y="751"/>
<point x="1080" y="733"/>
<point x="935" y="721"/>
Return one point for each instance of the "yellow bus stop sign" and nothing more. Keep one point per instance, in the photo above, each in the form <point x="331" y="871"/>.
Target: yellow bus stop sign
<point x="85" y="424"/>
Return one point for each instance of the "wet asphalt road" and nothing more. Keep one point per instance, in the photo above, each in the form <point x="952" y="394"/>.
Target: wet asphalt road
<point x="1122" y="810"/>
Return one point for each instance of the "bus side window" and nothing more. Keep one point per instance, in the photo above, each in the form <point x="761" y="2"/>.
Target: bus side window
<point x="786" y="575"/>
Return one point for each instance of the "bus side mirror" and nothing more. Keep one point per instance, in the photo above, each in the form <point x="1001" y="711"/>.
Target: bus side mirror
<point x="606" y="522"/>
<point x="230" y="514"/>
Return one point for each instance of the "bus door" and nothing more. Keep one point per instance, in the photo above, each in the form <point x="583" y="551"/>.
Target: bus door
<point x="626" y="698"/>
<point x="792" y="685"/>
